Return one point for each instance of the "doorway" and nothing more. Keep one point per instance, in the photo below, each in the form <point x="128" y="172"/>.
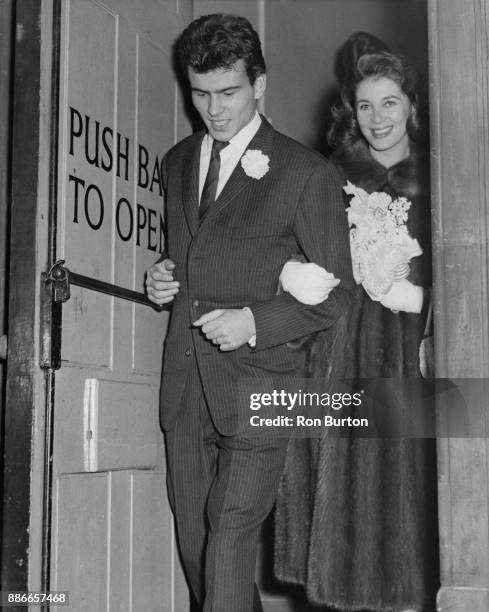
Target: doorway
<point x="65" y="458"/>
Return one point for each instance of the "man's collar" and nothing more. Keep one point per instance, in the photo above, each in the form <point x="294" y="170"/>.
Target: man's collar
<point x="243" y="137"/>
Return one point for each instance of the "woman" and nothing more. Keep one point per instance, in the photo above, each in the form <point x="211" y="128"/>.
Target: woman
<point x="356" y="519"/>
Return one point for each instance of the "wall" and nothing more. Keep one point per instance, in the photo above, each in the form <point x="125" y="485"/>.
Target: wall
<point x="247" y="8"/>
<point x="302" y="37"/>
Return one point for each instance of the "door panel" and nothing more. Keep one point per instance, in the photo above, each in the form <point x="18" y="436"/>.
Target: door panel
<point x="113" y="544"/>
<point x="80" y="508"/>
<point x="120" y="425"/>
<point x="151" y="512"/>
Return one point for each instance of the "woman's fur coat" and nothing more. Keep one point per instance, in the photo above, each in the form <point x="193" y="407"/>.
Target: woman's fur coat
<point x="356" y="519"/>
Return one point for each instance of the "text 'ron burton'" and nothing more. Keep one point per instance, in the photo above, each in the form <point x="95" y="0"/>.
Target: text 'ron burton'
<point x="302" y="421"/>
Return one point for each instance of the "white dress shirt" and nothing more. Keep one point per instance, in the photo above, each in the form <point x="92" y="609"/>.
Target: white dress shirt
<point x="230" y="155"/>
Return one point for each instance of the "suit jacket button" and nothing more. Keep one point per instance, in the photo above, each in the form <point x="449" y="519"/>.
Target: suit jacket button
<point x="196" y="303"/>
<point x="188" y="352"/>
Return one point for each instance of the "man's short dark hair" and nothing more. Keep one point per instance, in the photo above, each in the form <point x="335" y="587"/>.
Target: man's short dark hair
<point x="219" y="41"/>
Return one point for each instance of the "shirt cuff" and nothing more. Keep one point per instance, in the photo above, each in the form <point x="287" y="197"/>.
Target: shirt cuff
<point x="252" y="340"/>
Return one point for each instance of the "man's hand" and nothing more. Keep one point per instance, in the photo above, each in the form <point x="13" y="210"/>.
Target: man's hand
<point x="160" y="286"/>
<point x="228" y="328"/>
<point x="307" y="282"/>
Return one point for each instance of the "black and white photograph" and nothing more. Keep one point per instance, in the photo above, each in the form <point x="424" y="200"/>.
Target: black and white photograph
<point x="244" y="325"/>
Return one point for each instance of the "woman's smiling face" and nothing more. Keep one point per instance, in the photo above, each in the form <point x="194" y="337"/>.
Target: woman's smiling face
<point x="382" y="110"/>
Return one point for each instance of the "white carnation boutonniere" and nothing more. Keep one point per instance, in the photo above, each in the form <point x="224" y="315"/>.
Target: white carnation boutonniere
<point x="255" y="163"/>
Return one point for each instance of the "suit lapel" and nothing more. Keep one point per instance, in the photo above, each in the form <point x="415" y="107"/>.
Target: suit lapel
<point x="190" y="185"/>
<point x="238" y="180"/>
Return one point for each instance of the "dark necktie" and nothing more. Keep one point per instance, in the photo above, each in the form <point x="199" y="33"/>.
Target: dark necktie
<point x="210" y="186"/>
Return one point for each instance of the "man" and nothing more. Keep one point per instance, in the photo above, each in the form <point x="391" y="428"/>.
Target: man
<point x="240" y="200"/>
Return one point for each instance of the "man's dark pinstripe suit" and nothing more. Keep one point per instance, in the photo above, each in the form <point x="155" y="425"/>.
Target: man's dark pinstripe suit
<point x="231" y="260"/>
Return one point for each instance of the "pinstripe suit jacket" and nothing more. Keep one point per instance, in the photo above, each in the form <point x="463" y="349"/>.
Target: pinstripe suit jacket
<point x="234" y="258"/>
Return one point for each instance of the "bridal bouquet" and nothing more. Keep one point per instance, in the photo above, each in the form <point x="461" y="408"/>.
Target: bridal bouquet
<point x="379" y="239"/>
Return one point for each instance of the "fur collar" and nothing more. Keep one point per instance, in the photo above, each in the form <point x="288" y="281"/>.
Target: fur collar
<point x="408" y="178"/>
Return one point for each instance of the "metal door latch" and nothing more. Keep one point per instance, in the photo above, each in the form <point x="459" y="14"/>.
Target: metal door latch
<point x="56" y="290"/>
<point x="59" y="277"/>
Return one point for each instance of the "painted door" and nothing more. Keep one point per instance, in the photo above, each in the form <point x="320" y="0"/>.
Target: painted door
<point x="112" y="539"/>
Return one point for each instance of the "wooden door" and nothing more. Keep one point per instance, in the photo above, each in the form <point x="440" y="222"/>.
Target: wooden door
<point x="112" y="539"/>
<point x="459" y="68"/>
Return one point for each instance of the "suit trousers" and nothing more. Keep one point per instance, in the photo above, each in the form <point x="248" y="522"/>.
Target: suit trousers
<point x="221" y="489"/>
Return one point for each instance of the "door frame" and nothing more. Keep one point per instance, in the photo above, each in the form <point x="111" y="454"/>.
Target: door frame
<point x="459" y="106"/>
<point x="28" y="387"/>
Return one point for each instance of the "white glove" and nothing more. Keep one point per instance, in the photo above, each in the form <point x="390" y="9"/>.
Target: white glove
<point x="400" y="271"/>
<point x="405" y="296"/>
<point x="307" y="282"/>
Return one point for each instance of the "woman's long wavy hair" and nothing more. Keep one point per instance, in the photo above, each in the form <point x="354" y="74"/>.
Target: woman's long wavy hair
<point x="344" y="129"/>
